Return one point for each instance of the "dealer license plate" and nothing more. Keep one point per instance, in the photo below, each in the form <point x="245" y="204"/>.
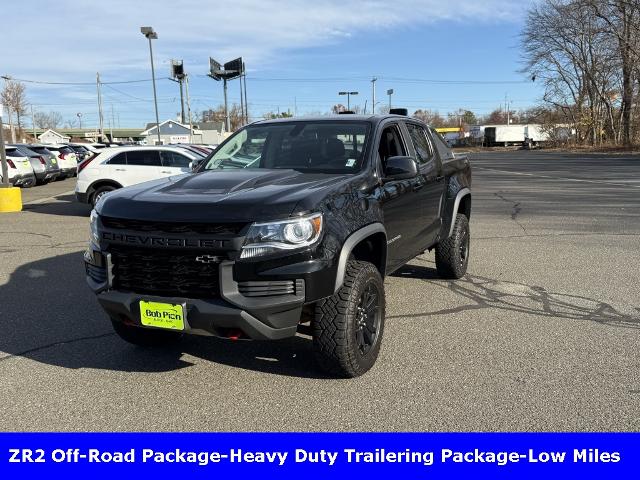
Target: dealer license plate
<point x="162" y="315"/>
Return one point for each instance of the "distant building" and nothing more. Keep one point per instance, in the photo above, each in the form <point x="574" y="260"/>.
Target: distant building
<point x="51" y="136"/>
<point x="213" y="133"/>
<point x="171" y="132"/>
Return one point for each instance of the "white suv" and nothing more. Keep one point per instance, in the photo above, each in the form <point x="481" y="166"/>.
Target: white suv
<point x="119" y="167"/>
<point x="67" y="160"/>
<point x="20" y="170"/>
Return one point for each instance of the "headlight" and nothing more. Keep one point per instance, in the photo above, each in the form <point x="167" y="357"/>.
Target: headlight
<point x="271" y="237"/>
<point x="93" y="219"/>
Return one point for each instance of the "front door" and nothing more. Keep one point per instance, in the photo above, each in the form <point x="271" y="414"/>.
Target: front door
<point x="399" y="200"/>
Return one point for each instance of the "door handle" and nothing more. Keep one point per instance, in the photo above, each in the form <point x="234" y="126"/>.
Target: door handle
<point x="439" y="178"/>
<point x="165" y="171"/>
<point x="417" y="186"/>
<point x="120" y="170"/>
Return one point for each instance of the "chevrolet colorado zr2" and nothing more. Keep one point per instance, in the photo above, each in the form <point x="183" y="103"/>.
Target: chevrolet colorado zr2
<point x="289" y="225"/>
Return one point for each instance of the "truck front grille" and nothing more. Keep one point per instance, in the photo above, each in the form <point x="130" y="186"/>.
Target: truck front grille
<point x="164" y="273"/>
<point x="223" y="229"/>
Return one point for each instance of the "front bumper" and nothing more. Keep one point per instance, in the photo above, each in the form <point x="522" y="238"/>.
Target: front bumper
<point x="259" y="318"/>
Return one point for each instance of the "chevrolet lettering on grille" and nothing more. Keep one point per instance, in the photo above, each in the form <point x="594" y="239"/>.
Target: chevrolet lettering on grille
<point x="153" y="241"/>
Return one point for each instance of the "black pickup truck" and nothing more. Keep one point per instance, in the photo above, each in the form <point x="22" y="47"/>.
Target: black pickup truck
<point x="290" y="225"/>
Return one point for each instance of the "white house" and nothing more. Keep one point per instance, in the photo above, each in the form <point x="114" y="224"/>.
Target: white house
<point x="171" y="131"/>
<point x="51" y="136"/>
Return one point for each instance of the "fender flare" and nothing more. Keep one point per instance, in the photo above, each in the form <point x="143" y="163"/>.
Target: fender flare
<point x="461" y="194"/>
<point x="348" y="246"/>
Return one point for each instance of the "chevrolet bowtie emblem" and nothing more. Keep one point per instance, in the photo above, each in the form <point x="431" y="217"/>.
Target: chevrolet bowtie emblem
<point x="208" y="259"/>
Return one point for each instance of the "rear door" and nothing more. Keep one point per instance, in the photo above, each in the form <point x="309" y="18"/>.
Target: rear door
<point x="142" y="165"/>
<point x="431" y="183"/>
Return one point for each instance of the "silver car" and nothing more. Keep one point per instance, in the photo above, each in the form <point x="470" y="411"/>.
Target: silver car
<point x="44" y="165"/>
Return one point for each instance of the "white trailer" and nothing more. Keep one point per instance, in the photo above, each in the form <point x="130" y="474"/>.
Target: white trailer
<point x="503" y="135"/>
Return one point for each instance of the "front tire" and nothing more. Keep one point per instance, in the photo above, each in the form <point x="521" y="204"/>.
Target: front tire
<point x="145" y="337"/>
<point x="99" y="193"/>
<point x="348" y="326"/>
<point x="452" y="254"/>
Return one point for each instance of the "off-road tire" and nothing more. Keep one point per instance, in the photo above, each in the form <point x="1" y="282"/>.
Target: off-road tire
<point x="452" y="254"/>
<point x="336" y="328"/>
<point x="145" y="337"/>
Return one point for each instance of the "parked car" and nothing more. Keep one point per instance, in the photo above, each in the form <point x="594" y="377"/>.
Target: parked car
<point x="41" y="149"/>
<point x="44" y="168"/>
<point x="82" y="152"/>
<point x="298" y="240"/>
<point x="20" y="171"/>
<point x="67" y="160"/>
<point x="118" y="167"/>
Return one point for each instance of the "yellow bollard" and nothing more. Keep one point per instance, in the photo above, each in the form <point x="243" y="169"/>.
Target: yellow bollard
<point x="10" y="199"/>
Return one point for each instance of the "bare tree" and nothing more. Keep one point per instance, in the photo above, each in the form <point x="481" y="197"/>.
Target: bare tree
<point x="47" y="120"/>
<point x="14" y="98"/>
<point x="585" y="54"/>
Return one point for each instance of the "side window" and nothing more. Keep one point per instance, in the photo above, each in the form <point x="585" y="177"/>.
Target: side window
<point x="147" y="158"/>
<point x="419" y="138"/>
<point x="119" y="159"/>
<point x="390" y="144"/>
<point x="174" y="159"/>
<point x="443" y="149"/>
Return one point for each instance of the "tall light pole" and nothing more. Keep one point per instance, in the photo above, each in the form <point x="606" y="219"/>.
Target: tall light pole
<point x="373" y="95"/>
<point x="152" y="35"/>
<point x="348" y="94"/>
<point x="390" y="92"/>
<point x="79" y="119"/>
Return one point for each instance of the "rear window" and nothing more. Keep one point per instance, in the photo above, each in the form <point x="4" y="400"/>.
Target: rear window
<point x="119" y="159"/>
<point x="41" y="150"/>
<point x="148" y="158"/>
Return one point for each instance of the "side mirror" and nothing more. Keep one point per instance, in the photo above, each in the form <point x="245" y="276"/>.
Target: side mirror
<point x="400" y="168"/>
<point x="194" y="165"/>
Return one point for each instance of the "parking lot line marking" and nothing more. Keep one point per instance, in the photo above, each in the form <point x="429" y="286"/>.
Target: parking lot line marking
<point x="47" y="199"/>
<point x="599" y="182"/>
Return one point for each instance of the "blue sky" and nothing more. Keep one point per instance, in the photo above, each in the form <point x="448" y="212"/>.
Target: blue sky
<point x="297" y="53"/>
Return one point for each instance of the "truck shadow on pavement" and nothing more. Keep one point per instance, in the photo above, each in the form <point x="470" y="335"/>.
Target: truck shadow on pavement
<point x="49" y="315"/>
<point x="65" y="205"/>
<point x="477" y="293"/>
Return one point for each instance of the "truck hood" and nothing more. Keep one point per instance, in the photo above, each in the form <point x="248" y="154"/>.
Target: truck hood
<point x="220" y="195"/>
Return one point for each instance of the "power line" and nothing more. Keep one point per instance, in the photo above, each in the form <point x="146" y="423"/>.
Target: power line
<point x="46" y="82"/>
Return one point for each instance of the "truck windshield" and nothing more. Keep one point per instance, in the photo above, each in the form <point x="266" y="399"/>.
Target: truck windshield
<point x="310" y="146"/>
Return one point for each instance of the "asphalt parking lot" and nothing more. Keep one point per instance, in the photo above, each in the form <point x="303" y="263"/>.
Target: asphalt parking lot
<point x="542" y="334"/>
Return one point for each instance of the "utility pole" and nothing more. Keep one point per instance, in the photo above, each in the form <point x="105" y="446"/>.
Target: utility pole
<point x="373" y="95"/>
<point x="242" y="115"/>
<point x="13" y="132"/>
<point x="33" y="124"/>
<point x="186" y="83"/>
<point x="113" y="121"/>
<point x="3" y="156"/>
<point x="227" y="122"/>
<point x="246" y="102"/>
<point x="100" y="114"/>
